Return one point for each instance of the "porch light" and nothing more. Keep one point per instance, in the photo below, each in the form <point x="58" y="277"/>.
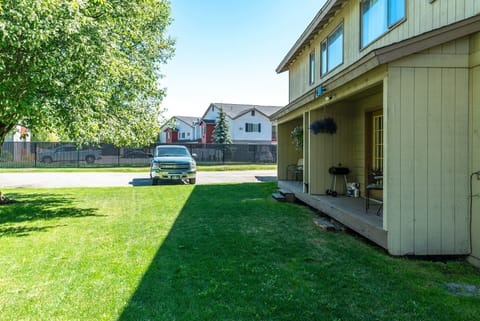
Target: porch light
<point x="330" y="97"/>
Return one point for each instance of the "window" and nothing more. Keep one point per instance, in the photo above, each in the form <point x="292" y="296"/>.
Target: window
<point x="252" y="113"/>
<point x="378" y="16"/>
<point x="377" y="141"/>
<point x="250" y="128"/>
<point x="332" y="51"/>
<point x="312" y="68"/>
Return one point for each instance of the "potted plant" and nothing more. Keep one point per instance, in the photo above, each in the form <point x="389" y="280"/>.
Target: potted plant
<point x="326" y="125"/>
<point x="297" y="137"/>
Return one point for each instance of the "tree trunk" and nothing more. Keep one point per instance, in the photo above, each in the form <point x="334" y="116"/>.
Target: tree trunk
<point x="4" y="130"/>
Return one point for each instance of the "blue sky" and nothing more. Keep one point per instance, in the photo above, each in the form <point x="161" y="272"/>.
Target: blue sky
<point x="227" y="51"/>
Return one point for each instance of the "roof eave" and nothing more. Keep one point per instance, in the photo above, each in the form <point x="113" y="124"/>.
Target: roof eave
<point x="321" y="18"/>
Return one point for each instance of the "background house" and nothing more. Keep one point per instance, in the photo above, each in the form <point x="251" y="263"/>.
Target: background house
<point x="17" y="143"/>
<point x="248" y="123"/>
<point x="401" y="80"/>
<point x="180" y="129"/>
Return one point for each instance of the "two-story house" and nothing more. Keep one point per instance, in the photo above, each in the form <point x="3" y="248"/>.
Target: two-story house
<point x="248" y="123"/>
<point x="180" y="129"/>
<point x="401" y="81"/>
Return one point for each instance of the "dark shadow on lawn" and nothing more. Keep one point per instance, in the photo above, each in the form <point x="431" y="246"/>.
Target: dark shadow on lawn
<point x="148" y="182"/>
<point x="36" y="207"/>
<point x="206" y="247"/>
<point x="141" y="182"/>
<point x="266" y="178"/>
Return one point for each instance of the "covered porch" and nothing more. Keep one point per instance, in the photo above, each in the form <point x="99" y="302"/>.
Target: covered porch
<point x="347" y="210"/>
<point x="356" y="144"/>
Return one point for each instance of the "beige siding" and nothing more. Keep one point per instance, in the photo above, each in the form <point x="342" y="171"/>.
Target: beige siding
<point x="427" y="155"/>
<point x="286" y="154"/>
<point x="475" y="143"/>
<point x="421" y="17"/>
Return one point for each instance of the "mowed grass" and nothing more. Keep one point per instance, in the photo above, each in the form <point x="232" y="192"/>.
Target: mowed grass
<point x="211" y="252"/>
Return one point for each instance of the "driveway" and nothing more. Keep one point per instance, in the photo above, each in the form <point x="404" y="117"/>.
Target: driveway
<point x="93" y="179"/>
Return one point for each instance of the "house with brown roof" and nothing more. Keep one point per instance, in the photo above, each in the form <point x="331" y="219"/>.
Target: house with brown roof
<point x="387" y="93"/>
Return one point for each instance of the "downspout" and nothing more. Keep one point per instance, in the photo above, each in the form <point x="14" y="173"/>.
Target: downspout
<point x="477" y="173"/>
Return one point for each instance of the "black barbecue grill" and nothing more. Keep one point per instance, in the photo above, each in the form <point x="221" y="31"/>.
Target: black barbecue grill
<point x="337" y="171"/>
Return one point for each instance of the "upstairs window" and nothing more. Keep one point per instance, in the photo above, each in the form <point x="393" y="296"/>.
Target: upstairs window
<point x="252" y="128"/>
<point x="312" y="68"/>
<point x="378" y="16"/>
<point x="331" y="51"/>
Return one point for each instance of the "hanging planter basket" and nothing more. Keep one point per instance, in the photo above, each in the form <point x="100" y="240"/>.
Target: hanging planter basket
<point x="326" y="125"/>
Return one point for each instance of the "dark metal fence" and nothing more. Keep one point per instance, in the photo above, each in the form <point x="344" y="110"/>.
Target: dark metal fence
<point x="39" y="154"/>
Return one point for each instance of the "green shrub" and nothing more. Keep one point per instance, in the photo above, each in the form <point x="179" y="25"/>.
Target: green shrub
<point x="6" y="156"/>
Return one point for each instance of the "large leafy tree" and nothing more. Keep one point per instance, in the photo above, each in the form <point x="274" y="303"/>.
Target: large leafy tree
<point x="221" y="133"/>
<point x="88" y="69"/>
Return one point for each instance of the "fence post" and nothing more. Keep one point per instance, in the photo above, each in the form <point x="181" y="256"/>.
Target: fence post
<point x="35" y="155"/>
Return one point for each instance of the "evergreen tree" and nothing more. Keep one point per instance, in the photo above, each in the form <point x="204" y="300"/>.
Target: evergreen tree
<point x="221" y="133"/>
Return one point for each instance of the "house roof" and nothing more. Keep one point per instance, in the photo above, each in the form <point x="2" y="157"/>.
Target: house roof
<point x="237" y="110"/>
<point x="188" y="120"/>
<point x="319" y="21"/>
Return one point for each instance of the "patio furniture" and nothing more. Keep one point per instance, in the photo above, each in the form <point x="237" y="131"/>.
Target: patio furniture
<point x="374" y="183"/>
<point x="295" y="170"/>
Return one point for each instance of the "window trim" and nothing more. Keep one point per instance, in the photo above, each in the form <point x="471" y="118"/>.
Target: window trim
<point x="311" y="68"/>
<point x="390" y="27"/>
<point x="378" y="140"/>
<point x="253" y="127"/>
<point x="326" y="42"/>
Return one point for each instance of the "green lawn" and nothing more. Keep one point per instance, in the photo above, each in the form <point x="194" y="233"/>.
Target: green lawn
<point x="203" y="168"/>
<point x="207" y="252"/>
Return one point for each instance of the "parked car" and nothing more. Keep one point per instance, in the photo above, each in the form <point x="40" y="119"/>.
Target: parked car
<point x="173" y="162"/>
<point x="69" y="153"/>
<point x="136" y="153"/>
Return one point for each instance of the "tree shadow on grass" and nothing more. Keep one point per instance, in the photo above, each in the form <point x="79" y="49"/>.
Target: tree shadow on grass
<point x="38" y="207"/>
<point x="199" y="265"/>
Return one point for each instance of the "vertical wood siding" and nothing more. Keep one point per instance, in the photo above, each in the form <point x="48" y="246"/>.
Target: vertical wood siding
<point x="475" y="143"/>
<point x="427" y="155"/>
<point x="345" y="147"/>
<point x="421" y="17"/>
<point x="286" y="153"/>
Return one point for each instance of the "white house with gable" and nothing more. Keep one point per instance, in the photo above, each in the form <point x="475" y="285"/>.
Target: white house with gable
<point x="180" y="129"/>
<point x="248" y="123"/>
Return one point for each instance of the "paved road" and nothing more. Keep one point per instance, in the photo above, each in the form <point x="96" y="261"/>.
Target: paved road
<point x="52" y="179"/>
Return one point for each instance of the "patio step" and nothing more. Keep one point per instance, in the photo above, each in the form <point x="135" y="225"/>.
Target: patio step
<point x="289" y="195"/>
<point x="279" y="197"/>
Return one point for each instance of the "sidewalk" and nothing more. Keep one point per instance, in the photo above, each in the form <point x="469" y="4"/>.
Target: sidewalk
<point x="92" y="179"/>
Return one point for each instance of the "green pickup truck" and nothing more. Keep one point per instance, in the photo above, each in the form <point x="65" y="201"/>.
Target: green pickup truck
<point x="173" y="163"/>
